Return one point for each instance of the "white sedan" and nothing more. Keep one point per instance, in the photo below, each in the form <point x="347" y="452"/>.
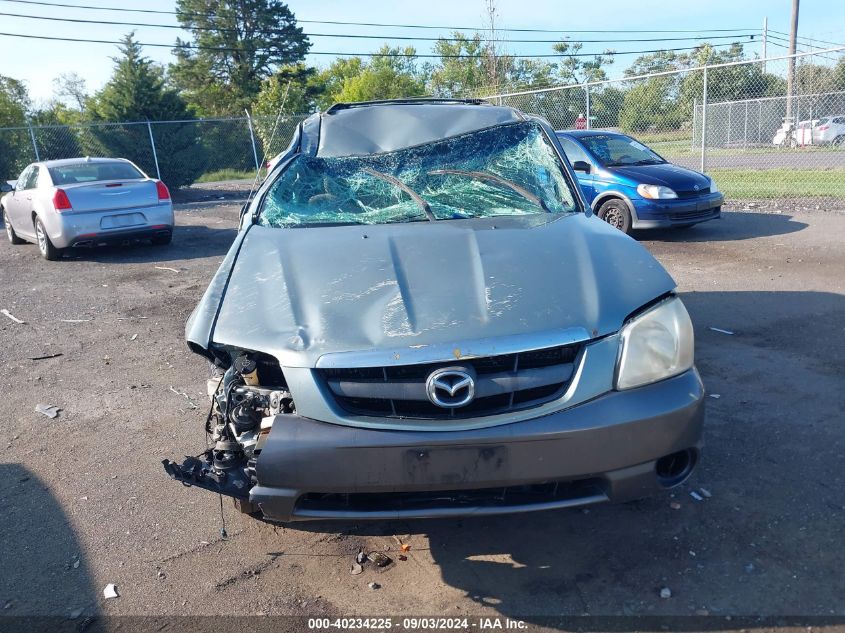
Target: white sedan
<point x="60" y="204"/>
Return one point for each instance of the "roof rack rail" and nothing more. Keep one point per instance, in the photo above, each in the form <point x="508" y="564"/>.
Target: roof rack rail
<point x="403" y="101"/>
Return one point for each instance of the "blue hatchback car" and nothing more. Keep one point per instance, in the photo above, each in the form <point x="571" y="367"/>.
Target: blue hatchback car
<point x="632" y="187"/>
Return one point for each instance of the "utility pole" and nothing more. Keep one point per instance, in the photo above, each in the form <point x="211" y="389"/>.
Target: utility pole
<point x="765" y="38"/>
<point x="790" y="69"/>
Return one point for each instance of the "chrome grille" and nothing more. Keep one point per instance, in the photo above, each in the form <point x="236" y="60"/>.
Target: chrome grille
<point x="506" y="382"/>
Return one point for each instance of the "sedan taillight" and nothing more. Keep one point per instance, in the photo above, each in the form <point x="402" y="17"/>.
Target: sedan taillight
<point x="822" y="128"/>
<point x="60" y="201"/>
<point x="163" y="193"/>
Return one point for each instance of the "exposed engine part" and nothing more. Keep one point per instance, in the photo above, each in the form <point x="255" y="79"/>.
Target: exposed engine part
<point x="226" y="455"/>
<point x="202" y="472"/>
<point x="246" y="367"/>
<point x="240" y="406"/>
<point x="242" y="413"/>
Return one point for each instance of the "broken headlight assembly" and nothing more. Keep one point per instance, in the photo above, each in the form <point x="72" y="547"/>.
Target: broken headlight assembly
<point x="245" y="401"/>
<point x="655" y="345"/>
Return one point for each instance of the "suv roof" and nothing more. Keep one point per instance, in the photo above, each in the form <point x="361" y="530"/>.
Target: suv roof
<point x="350" y="129"/>
<point x="583" y="133"/>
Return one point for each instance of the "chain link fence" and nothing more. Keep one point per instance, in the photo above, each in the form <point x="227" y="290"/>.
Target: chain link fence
<point x="762" y="143"/>
<point x="179" y="152"/>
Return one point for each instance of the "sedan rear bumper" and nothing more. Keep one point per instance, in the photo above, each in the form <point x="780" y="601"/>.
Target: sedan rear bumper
<point x="95" y="227"/>
<point x="122" y="236"/>
<point x="603" y="450"/>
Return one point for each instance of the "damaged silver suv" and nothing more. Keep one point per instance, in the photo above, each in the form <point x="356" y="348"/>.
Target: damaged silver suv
<point x="420" y="317"/>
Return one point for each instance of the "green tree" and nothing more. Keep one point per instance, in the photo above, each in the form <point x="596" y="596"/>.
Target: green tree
<point x="578" y="70"/>
<point x="15" y="145"/>
<point x="461" y="70"/>
<point x="651" y="104"/>
<point x="295" y="89"/>
<point x="57" y="133"/>
<point x="332" y="78"/>
<point x="137" y="92"/>
<point x="666" y="101"/>
<point x="390" y="74"/>
<point x="240" y="43"/>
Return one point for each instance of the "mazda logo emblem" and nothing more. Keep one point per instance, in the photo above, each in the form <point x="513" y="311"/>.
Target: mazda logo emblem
<point x="450" y="387"/>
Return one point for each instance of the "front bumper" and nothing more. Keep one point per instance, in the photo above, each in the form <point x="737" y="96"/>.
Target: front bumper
<point x="601" y="450"/>
<point x="651" y="214"/>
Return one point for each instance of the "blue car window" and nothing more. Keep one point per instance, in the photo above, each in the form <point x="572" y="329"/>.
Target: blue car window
<point x="572" y="150"/>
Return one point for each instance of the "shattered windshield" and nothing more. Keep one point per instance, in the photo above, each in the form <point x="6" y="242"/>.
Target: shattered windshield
<point x="504" y="170"/>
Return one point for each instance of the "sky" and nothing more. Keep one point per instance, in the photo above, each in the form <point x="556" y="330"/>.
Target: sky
<point x="38" y="62"/>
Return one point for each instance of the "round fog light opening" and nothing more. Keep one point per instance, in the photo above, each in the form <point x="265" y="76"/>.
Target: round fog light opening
<point x="673" y="469"/>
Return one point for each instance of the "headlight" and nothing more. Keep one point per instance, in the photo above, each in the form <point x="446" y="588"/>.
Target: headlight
<point x="657" y="344"/>
<point x="713" y="187"/>
<point x="656" y="192"/>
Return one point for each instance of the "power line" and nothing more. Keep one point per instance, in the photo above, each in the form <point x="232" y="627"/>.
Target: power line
<point x="778" y="41"/>
<point x="404" y="26"/>
<point x="809" y="39"/>
<point x="348" y="54"/>
<point x="374" y="37"/>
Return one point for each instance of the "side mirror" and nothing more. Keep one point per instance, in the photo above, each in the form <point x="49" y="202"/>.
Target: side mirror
<point x="581" y="165"/>
<point x="6" y="187"/>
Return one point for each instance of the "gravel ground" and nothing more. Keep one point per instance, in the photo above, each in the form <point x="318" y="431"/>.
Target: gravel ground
<point x="85" y="501"/>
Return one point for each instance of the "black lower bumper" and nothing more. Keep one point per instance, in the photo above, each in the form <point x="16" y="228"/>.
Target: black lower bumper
<point x="122" y="237"/>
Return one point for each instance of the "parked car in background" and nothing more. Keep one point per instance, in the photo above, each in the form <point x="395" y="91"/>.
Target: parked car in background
<point x="420" y="317"/>
<point x="60" y="204"/>
<point x="784" y="135"/>
<point x="630" y="186"/>
<point x="829" y="130"/>
<point x="271" y="164"/>
<point x="804" y="132"/>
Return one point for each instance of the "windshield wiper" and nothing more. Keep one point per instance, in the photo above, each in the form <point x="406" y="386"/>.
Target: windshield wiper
<point x="483" y="175"/>
<point x="398" y="183"/>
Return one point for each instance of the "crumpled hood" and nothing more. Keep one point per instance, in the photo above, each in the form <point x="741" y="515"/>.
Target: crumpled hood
<point x="302" y="293"/>
<point x="666" y="174"/>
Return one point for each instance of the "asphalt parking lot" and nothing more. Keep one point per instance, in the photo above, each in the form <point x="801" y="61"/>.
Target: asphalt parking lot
<point x="85" y="501"/>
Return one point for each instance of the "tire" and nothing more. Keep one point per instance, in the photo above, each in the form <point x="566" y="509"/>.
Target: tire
<point x="616" y="213"/>
<point x="163" y="240"/>
<point x="45" y="246"/>
<point x="839" y="141"/>
<point x="10" y="232"/>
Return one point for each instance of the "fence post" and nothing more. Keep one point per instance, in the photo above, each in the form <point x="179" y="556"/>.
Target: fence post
<point x="252" y="139"/>
<point x="694" y="121"/>
<point x="704" y="123"/>
<point x="153" y="146"/>
<point x="32" y="136"/>
<point x="730" y="110"/>
<point x="587" y="100"/>
<point x="745" y="130"/>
